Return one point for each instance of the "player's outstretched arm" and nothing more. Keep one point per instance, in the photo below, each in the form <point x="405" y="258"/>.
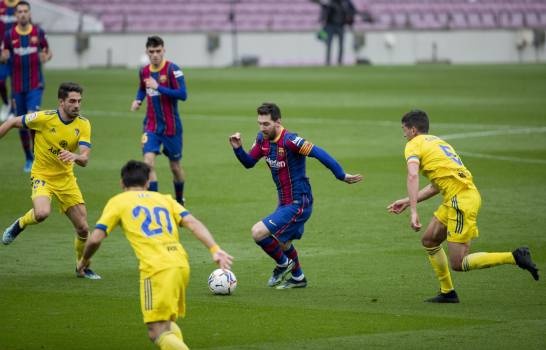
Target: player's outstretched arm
<point x="200" y="231"/>
<point x="16" y="122"/>
<point x="91" y="246"/>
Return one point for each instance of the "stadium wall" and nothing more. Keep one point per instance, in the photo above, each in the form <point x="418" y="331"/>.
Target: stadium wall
<point x="281" y="49"/>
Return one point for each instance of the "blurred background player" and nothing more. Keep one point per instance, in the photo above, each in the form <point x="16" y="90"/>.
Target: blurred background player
<point x="7" y="21"/>
<point x="162" y="83"/>
<point x="285" y="154"/>
<point x="456" y="218"/>
<point x="26" y="49"/>
<point x="62" y="138"/>
<point x="150" y="221"/>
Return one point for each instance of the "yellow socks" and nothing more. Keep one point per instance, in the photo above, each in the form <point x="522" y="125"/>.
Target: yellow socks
<point x="27" y="219"/>
<point x="484" y="260"/>
<point x="438" y="260"/>
<point x="170" y="341"/>
<point x="176" y="330"/>
<point x="79" y="244"/>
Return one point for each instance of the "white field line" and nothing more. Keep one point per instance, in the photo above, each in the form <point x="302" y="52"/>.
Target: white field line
<point x="500" y="129"/>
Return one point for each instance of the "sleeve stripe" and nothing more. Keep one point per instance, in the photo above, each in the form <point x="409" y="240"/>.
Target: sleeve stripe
<point x="413" y="159"/>
<point x="24" y="122"/>
<point x="185" y="213"/>
<point x="101" y="227"/>
<point x="306" y="148"/>
<point x="83" y="143"/>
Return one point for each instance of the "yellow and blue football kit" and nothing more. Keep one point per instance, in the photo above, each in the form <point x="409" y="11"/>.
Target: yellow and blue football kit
<point x="439" y="162"/>
<point x="150" y="222"/>
<point x="50" y="176"/>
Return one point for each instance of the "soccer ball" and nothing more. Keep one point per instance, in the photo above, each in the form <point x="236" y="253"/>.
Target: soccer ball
<point x="222" y="282"/>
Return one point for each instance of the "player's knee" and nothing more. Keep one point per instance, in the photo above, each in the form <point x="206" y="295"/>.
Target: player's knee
<point x="456" y="263"/>
<point x="82" y="231"/>
<point x="428" y="242"/>
<point x="258" y="233"/>
<point x="41" y="214"/>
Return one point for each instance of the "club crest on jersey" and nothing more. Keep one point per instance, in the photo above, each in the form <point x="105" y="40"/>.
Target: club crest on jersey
<point x="281" y="152"/>
<point x="162" y="78"/>
<point x="275" y="164"/>
<point x="77" y="132"/>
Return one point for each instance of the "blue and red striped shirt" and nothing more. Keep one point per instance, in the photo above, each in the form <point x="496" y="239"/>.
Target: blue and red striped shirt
<point x="7" y="18"/>
<point x="162" y="104"/>
<point x="285" y="157"/>
<point x="25" y="48"/>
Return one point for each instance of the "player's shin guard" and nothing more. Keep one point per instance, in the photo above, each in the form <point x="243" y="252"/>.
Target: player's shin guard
<point x="480" y="260"/>
<point x="272" y="248"/>
<point x="79" y="245"/>
<point x="292" y="253"/>
<point x="169" y="341"/>
<point x="438" y="260"/>
<point x="28" y="219"/>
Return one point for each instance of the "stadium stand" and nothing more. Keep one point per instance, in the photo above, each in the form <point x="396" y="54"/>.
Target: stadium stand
<point x="303" y="15"/>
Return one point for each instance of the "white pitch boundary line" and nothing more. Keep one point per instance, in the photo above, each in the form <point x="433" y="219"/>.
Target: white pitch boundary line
<point x="509" y="159"/>
<point x="310" y="120"/>
<point x="501" y="129"/>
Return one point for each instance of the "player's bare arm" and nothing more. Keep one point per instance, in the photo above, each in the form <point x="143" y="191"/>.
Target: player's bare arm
<point x="4" y="57"/>
<point x="81" y="159"/>
<point x="45" y="55"/>
<point x="10" y="124"/>
<point x="235" y="140"/>
<point x="200" y="231"/>
<point x="91" y="246"/>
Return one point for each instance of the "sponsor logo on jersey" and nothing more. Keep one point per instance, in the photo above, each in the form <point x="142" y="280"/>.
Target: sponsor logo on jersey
<point x="24" y="51"/>
<point x="275" y="164"/>
<point x="63" y="144"/>
<point x="151" y="92"/>
<point x="162" y="78"/>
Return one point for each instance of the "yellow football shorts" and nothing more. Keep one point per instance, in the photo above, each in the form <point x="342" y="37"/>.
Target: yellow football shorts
<point x="65" y="188"/>
<point x="163" y="295"/>
<point x="459" y="214"/>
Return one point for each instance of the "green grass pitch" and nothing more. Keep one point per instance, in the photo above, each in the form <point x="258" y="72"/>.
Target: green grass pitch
<point x="368" y="275"/>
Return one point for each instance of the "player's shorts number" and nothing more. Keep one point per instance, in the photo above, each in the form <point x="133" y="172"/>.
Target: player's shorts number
<point x="37" y="183"/>
<point x="158" y="213"/>
<point x="448" y="151"/>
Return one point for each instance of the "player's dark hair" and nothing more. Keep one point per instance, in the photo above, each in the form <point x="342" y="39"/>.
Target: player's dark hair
<point x="68" y="87"/>
<point x="154" y="41"/>
<point x="23" y="2"/>
<point x="418" y="119"/>
<point x="135" y="174"/>
<point x="268" y="108"/>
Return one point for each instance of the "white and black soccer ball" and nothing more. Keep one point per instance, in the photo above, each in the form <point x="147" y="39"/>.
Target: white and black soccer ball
<point x="222" y="282"/>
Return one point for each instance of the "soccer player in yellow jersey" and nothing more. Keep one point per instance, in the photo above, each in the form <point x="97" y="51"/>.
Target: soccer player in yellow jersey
<point x="150" y="221"/>
<point x="62" y="139"/>
<point x="455" y="219"/>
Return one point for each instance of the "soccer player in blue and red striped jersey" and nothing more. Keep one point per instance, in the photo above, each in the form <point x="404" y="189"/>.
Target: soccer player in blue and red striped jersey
<point x="26" y="49"/>
<point x="7" y="21"/>
<point x="162" y="83"/>
<point x="285" y="153"/>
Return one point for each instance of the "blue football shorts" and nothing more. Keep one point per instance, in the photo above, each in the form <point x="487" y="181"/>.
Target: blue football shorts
<point x="27" y="102"/>
<point x="5" y="71"/>
<point x="172" y="145"/>
<point x="287" y="222"/>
